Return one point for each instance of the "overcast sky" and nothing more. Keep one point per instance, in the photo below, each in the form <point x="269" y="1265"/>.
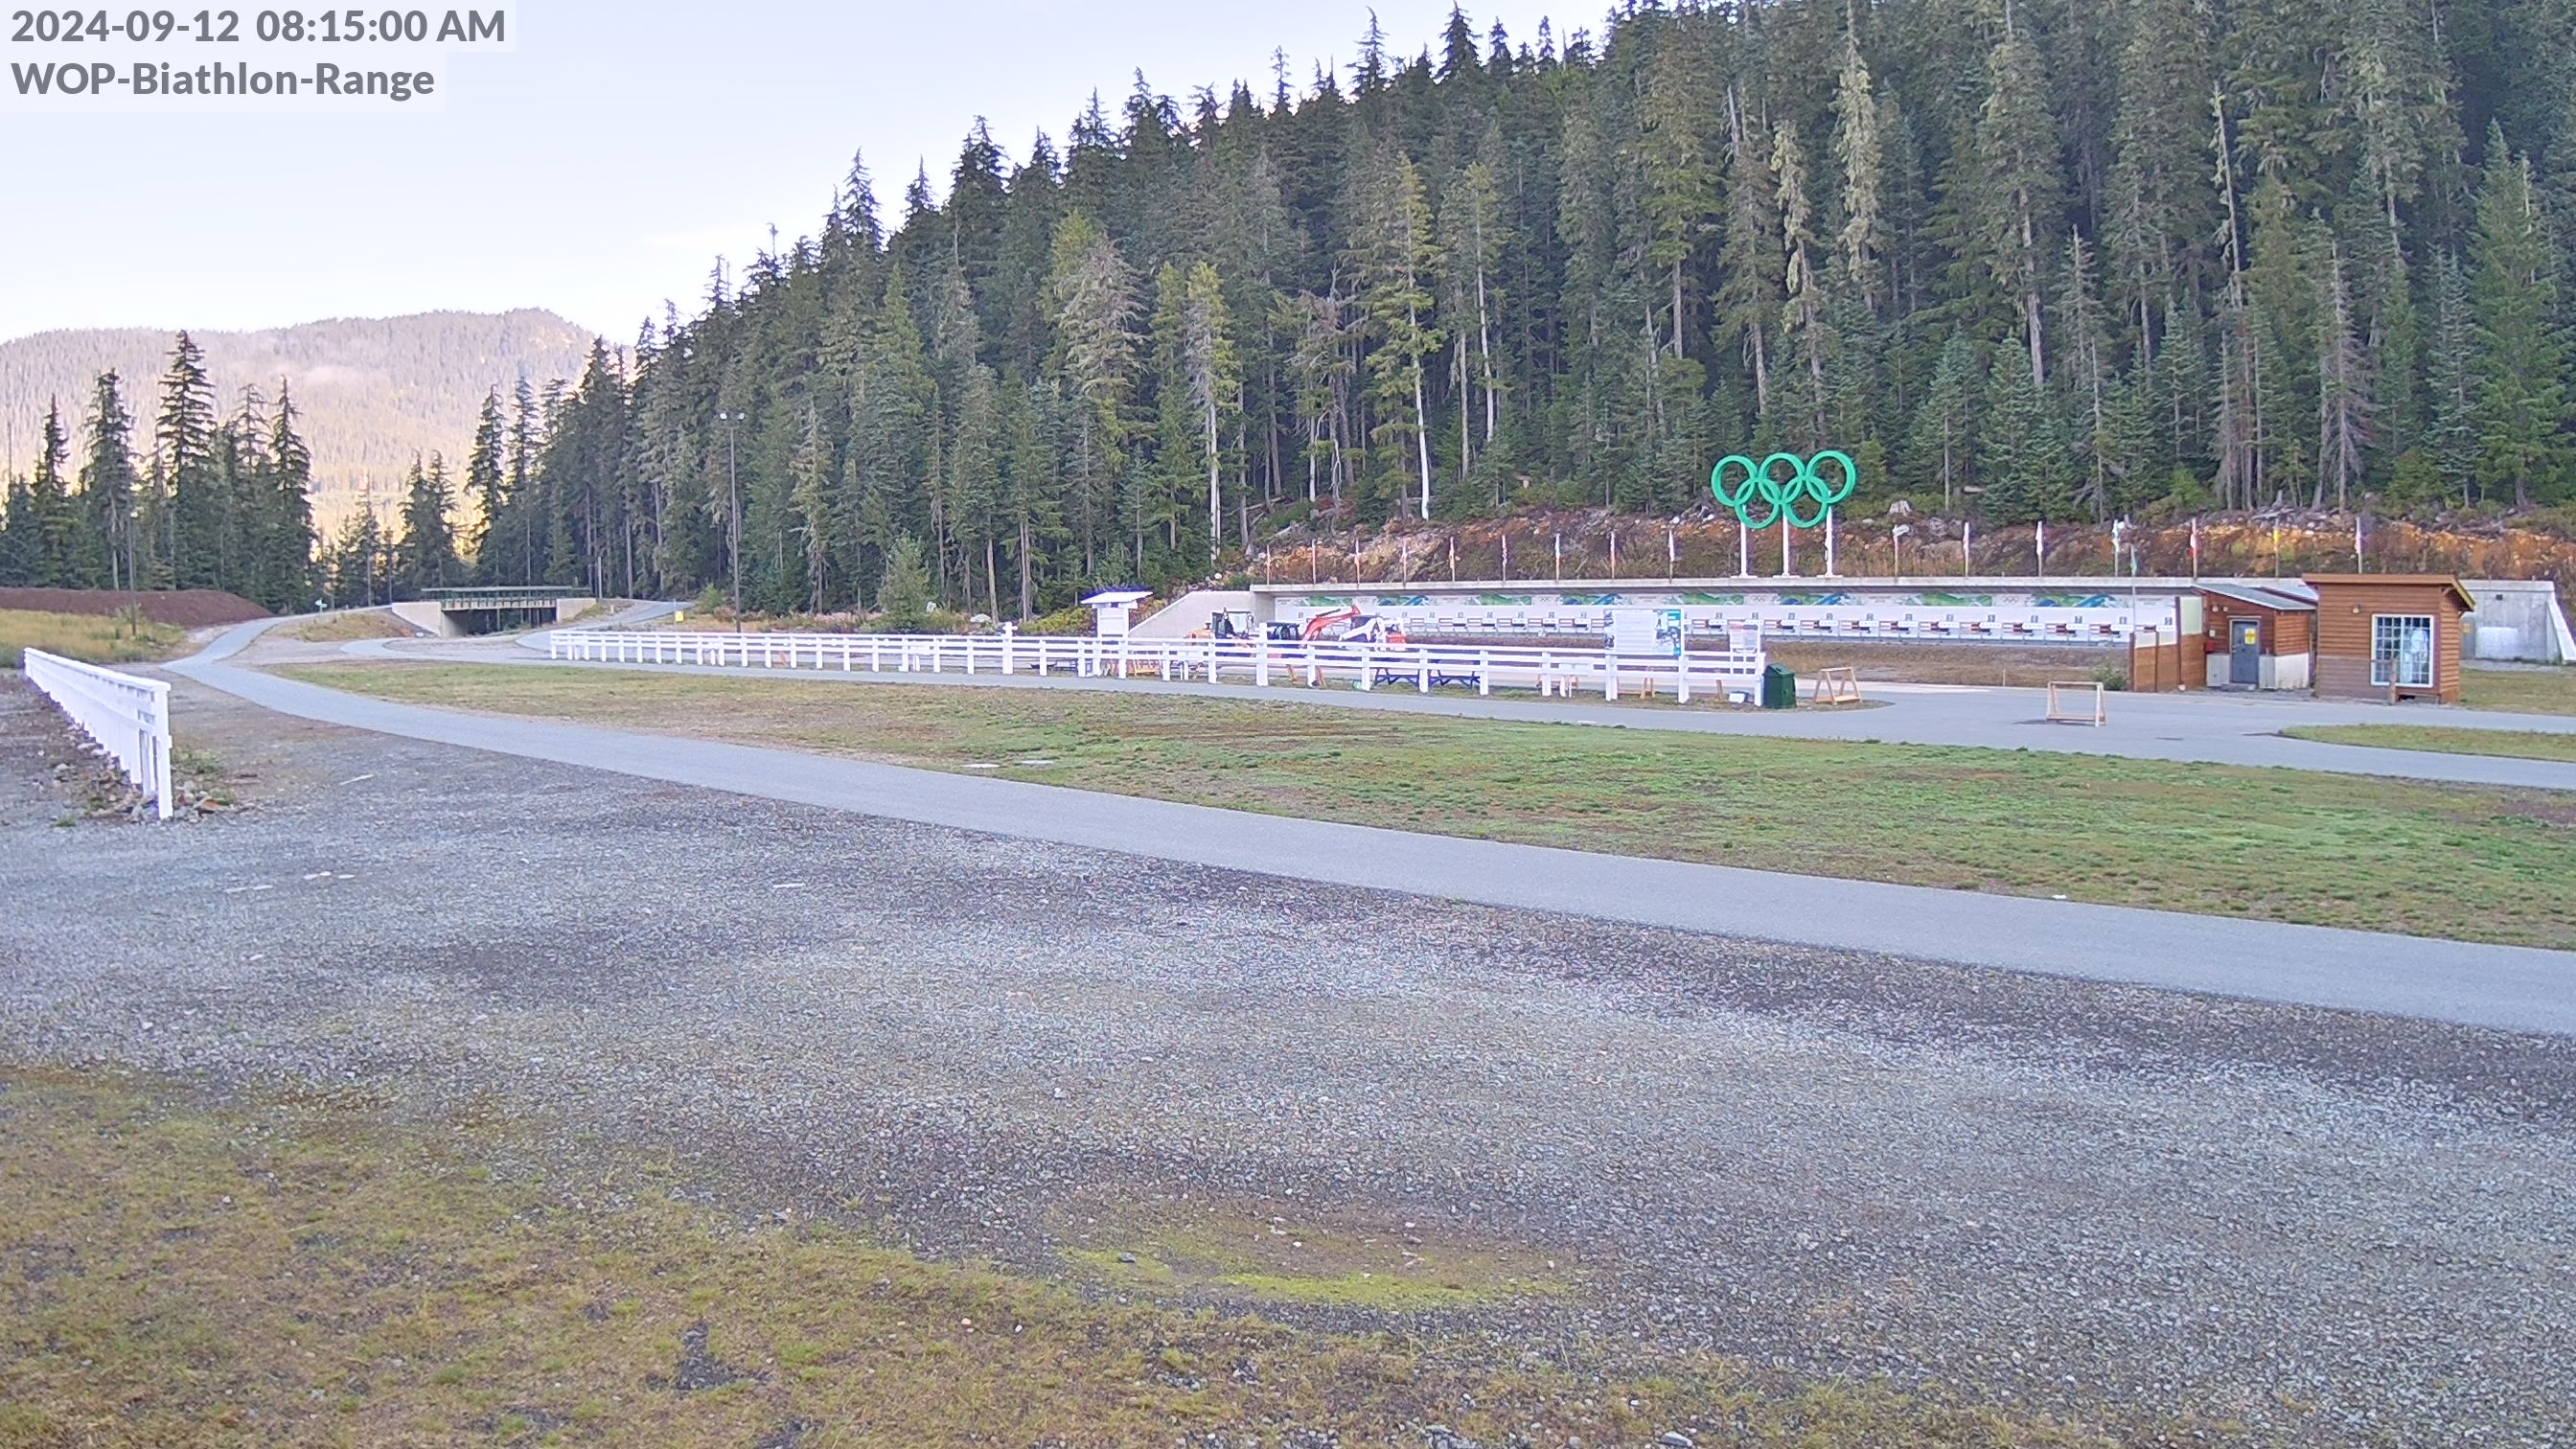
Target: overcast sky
<point x="602" y="166"/>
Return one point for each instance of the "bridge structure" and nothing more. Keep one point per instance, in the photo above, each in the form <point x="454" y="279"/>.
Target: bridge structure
<point x="453" y="613"/>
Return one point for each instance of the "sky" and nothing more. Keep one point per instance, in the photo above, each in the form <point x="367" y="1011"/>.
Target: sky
<point x="600" y="166"/>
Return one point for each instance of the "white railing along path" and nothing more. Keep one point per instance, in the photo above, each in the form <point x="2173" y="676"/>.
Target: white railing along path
<point x="128" y="717"/>
<point x="1257" y="661"/>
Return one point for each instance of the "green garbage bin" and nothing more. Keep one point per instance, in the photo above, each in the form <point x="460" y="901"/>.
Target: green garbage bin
<point x="1779" y="687"/>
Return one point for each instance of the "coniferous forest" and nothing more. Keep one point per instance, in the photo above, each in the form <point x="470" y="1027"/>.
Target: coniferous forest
<point x="184" y="497"/>
<point x="2069" y="259"/>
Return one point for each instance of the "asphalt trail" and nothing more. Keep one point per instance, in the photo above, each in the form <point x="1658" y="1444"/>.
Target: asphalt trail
<point x="2504" y="987"/>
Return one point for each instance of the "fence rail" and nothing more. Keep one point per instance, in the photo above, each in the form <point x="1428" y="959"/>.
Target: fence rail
<point x="1424" y="667"/>
<point x="128" y="717"/>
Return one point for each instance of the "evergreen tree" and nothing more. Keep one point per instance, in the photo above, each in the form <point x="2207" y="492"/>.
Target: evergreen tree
<point x="2522" y="407"/>
<point x="2024" y="448"/>
<point x="1394" y="259"/>
<point x="107" y="488"/>
<point x="2451" y="444"/>
<point x="55" y="557"/>
<point x="426" y="552"/>
<point x="1862" y="152"/>
<point x="903" y="595"/>
<point x="18" y="535"/>
<point x="2017" y="193"/>
<point x="809" y="474"/>
<point x="284" y="577"/>
<point x="486" y="485"/>
<point x="185" y="435"/>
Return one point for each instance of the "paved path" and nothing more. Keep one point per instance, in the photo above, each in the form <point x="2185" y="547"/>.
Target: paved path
<point x="2512" y="988"/>
<point x="2213" y="729"/>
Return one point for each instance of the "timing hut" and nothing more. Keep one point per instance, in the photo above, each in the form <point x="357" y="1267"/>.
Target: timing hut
<point x="2258" y="636"/>
<point x="2389" y="636"/>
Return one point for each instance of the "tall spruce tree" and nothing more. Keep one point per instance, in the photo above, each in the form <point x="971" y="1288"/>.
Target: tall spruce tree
<point x="426" y="550"/>
<point x="185" y="436"/>
<point x="107" y="487"/>
<point x="2522" y="408"/>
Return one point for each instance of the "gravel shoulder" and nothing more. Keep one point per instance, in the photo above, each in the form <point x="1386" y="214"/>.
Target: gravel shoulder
<point x="2337" y="1228"/>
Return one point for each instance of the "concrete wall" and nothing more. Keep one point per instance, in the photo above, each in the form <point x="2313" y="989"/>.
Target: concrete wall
<point x="428" y="618"/>
<point x="2271" y="671"/>
<point x="2530" y="609"/>
<point x="567" y="610"/>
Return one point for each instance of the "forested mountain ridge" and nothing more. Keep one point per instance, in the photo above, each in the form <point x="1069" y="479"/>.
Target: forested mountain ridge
<point x="2063" y="258"/>
<point x="2024" y="259"/>
<point x="372" y="393"/>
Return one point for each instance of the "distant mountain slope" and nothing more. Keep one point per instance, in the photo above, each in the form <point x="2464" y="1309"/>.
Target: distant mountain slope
<point x="373" y="391"/>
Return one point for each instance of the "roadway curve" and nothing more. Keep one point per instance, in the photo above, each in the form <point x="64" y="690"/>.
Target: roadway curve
<point x="2504" y="987"/>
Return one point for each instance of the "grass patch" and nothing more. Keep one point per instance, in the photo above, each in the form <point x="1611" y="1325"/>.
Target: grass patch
<point x="300" y="1270"/>
<point x="2518" y="744"/>
<point x="2520" y="691"/>
<point x="126" y="638"/>
<point x="347" y="625"/>
<point x="1285" y="1254"/>
<point x="2388" y="855"/>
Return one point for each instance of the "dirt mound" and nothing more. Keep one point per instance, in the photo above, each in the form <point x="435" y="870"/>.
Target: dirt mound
<point x="180" y="608"/>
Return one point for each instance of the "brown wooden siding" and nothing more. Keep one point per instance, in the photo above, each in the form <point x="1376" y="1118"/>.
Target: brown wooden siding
<point x="2278" y="632"/>
<point x="2344" y="614"/>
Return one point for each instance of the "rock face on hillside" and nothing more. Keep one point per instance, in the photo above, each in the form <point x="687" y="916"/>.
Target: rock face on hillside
<point x="373" y="391"/>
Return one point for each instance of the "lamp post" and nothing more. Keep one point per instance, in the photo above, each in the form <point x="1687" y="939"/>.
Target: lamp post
<point x="733" y="509"/>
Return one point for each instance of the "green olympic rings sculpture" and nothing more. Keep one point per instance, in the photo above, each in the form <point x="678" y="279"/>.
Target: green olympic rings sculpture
<point x="1794" y="495"/>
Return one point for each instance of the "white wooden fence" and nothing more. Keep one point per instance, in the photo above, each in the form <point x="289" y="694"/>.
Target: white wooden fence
<point x="128" y="717"/>
<point x="1252" y="661"/>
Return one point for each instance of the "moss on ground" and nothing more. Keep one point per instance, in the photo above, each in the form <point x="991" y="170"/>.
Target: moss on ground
<point x="302" y="1270"/>
<point x="1285" y="1254"/>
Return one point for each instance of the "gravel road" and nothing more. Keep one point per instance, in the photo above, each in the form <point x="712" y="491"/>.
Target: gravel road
<point x="2046" y="1191"/>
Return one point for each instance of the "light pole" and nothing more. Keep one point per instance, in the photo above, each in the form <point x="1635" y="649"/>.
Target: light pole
<point x="733" y="508"/>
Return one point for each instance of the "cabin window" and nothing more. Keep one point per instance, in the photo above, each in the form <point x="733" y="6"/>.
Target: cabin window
<point x="2401" y="650"/>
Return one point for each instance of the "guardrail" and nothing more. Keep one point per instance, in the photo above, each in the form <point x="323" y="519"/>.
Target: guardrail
<point x="129" y="718"/>
<point x="1425" y="667"/>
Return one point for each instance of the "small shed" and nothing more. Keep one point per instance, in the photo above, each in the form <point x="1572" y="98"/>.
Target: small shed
<point x="2389" y="636"/>
<point x="2259" y="636"/>
<point x="1112" y="608"/>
